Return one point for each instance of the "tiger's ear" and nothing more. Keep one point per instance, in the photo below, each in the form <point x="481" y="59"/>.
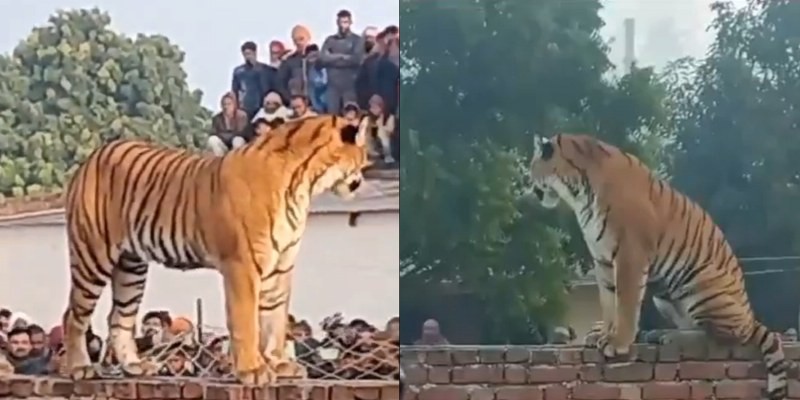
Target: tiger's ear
<point x="542" y="148"/>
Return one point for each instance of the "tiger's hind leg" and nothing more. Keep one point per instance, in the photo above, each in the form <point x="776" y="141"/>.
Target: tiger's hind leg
<point x="128" y="281"/>
<point x="686" y="334"/>
<point x="90" y="272"/>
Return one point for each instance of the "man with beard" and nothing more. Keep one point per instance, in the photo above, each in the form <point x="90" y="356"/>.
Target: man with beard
<point x="252" y="80"/>
<point x="342" y="54"/>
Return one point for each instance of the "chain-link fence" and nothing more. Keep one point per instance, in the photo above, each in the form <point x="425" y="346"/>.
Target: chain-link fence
<point x="341" y="355"/>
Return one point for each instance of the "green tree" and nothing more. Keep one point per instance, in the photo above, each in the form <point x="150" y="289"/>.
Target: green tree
<point x="479" y="80"/>
<point x="738" y="128"/>
<point x="74" y="83"/>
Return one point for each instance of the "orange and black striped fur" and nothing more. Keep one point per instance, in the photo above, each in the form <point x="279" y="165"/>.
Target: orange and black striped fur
<point x="643" y="232"/>
<point x="243" y="214"/>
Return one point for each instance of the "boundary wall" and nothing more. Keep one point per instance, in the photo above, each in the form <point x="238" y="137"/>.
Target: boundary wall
<point x="666" y="372"/>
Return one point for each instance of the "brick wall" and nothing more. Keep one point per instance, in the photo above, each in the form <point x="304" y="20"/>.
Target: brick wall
<point x="22" y="387"/>
<point x="569" y="372"/>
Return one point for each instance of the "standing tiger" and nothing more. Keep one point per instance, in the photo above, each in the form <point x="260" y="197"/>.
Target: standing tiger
<point x="243" y="214"/>
<point x="642" y="232"/>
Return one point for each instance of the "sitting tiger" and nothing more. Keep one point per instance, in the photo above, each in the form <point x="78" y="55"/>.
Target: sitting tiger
<point x="242" y="214"/>
<point x="640" y="232"/>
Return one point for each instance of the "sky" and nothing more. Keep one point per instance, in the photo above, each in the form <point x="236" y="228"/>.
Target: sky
<point x="665" y="29"/>
<point x="209" y="32"/>
<point x="212" y="33"/>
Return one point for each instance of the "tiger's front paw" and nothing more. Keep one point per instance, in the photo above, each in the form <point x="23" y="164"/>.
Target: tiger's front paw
<point x="611" y="349"/>
<point x="593" y="336"/>
<point x="260" y="375"/>
<point x="604" y="339"/>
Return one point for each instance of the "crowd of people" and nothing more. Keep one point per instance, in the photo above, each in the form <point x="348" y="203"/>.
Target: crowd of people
<point x="355" y="76"/>
<point x="175" y="347"/>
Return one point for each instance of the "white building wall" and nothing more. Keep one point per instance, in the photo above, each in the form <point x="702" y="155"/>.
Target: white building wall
<point x="353" y="270"/>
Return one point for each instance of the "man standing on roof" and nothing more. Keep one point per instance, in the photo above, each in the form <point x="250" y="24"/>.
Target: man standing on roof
<point x="342" y="54"/>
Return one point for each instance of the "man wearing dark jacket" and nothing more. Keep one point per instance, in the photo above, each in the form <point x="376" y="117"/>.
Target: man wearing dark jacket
<point x="252" y="80"/>
<point x="342" y="54"/>
<point x="292" y="76"/>
<point x="378" y="75"/>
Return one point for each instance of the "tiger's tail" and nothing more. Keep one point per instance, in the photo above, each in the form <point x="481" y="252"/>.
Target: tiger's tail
<point x="769" y="343"/>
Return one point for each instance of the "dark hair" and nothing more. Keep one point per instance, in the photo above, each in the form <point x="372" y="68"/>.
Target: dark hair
<point x="249" y="45"/>
<point x="350" y="107"/>
<point x="5" y="313"/>
<point x="359" y="324"/>
<point x="344" y="14"/>
<point x="381" y="35"/>
<point x="35" y="329"/>
<point x="260" y="121"/>
<point x="311" y="47"/>
<point x="305" y="326"/>
<point x="162" y="316"/>
<point x="18" y="331"/>
<point x="276" y="122"/>
<point x="300" y="96"/>
<point x="392" y="30"/>
<point x="393" y="320"/>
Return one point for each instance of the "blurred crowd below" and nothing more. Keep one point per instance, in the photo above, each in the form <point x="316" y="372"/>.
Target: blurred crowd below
<point x="341" y="349"/>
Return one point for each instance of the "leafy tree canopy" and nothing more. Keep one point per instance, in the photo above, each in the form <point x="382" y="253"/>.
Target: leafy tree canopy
<point x="480" y="79"/>
<point x="737" y="125"/>
<point x="73" y="83"/>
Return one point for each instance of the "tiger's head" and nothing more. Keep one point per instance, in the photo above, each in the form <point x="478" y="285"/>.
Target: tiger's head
<point x="562" y="166"/>
<point x="348" y="153"/>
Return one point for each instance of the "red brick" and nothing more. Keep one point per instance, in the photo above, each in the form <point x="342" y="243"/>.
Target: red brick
<point x="669" y="353"/>
<point x="548" y="374"/>
<point x="590" y="373"/>
<point x="416" y="374"/>
<point x="492" y="356"/>
<point x="192" y="390"/>
<point x="518" y="355"/>
<point x="21" y="387"/>
<point x="556" y="392"/>
<point x="462" y="357"/>
<point x="701" y="370"/>
<point x="519" y="393"/>
<point x="746" y="370"/>
<point x="366" y="393"/>
<point x="644" y="353"/>
<point x="742" y="389"/>
<point x="701" y="390"/>
<point x="544" y="356"/>
<point x="747" y="353"/>
<point x="628" y="372"/>
<point x="666" y="391"/>
<point x="478" y="374"/>
<point x="794" y="389"/>
<point x="605" y="391"/>
<point x="439" y="375"/>
<point x="438" y="357"/>
<point x="666" y="372"/>
<point x="444" y="393"/>
<point x="516" y="374"/>
<point x="791" y="351"/>
<point x="127" y="390"/>
<point x="387" y="393"/>
<point x="570" y="356"/>
<point x="481" y="393"/>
